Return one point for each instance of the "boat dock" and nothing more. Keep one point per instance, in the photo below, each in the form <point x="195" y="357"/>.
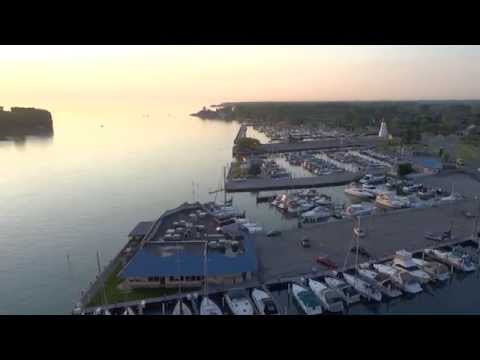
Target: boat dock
<point x="242" y="132"/>
<point x="324" y="144"/>
<point x="255" y="185"/>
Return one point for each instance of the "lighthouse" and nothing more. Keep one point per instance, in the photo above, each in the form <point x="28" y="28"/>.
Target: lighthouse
<point x="383" y="133"/>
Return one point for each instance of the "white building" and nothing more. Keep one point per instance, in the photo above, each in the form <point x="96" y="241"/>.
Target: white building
<point x="383" y="133"/>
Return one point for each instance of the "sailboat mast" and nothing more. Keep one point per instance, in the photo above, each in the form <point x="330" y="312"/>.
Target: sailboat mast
<point x="224" y="191"/>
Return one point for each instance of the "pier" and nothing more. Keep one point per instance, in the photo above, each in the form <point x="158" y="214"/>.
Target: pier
<point x="324" y="144"/>
<point x="242" y="132"/>
<point x="255" y="185"/>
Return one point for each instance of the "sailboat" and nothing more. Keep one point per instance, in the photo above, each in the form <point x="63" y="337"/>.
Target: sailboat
<point x="208" y="306"/>
<point x="181" y="309"/>
<point x="364" y="288"/>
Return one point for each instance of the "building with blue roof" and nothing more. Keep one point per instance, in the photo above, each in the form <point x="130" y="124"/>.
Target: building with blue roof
<point x="225" y="259"/>
<point x="427" y="164"/>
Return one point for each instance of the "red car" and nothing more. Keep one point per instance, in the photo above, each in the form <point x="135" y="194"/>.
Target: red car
<point x="325" y="261"/>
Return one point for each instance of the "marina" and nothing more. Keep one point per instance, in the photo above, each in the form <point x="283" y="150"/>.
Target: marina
<point x="319" y="261"/>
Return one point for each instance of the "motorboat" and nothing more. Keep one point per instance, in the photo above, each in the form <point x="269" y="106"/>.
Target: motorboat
<point x="359" y="209"/>
<point x="436" y="270"/>
<point x="409" y="189"/>
<point x="364" y="288"/>
<point x="403" y="261"/>
<point x="359" y="193"/>
<point x="316" y="214"/>
<point x="181" y="309"/>
<point x="238" y="302"/>
<point x="323" y="200"/>
<point x="372" y="189"/>
<point x="425" y="194"/>
<point x="458" y="260"/>
<point x="329" y="298"/>
<point x="208" y="307"/>
<point x="307" y="300"/>
<point x="402" y="279"/>
<point x="345" y="291"/>
<point x="372" y="179"/>
<point x="358" y="231"/>
<point x="264" y="303"/>
<point x="388" y="200"/>
<point x="381" y="281"/>
<point x="452" y="197"/>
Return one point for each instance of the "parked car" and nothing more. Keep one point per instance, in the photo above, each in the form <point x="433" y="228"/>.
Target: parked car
<point x="305" y="243"/>
<point x="325" y="261"/>
<point x="274" y="233"/>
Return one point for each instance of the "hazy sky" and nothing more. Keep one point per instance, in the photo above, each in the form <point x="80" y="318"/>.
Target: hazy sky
<point x="46" y="75"/>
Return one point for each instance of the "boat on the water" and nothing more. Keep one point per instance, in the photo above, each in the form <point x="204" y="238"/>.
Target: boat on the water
<point x="181" y="309"/>
<point x="306" y="299"/>
<point x="264" y="303"/>
<point x="457" y="259"/>
<point x="359" y="209"/>
<point x="403" y="261"/>
<point x="364" y="288"/>
<point x="330" y="298"/>
<point x="390" y="201"/>
<point x="238" y="302"/>
<point x="381" y="281"/>
<point x="346" y="291"/>
<point x="402" y="279"/>
<point x="435" y="269"/>
<point x="359" y="193"/>
<point x="208" y="307"/>
<point x="317" y="214"/>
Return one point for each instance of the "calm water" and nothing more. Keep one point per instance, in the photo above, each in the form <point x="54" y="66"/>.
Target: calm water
<point x="84" y="189"/>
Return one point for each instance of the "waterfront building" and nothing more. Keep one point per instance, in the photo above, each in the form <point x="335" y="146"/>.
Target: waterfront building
<point x="183" y="246"/>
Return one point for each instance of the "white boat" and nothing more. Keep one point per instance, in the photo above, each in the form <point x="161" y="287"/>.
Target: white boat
<point x="181" y="309"/>
<point x="372" y="179"/>
<point x="364" y="288"/>
<point x="323" y="200"/>
<point x="451" y="197"/>
<point x="459" y="261"/>
<point x="346" y="291"/>
<point x="381" y="281"/>
<point x="388" y="200"/>
<point x="128" y="311"/>
<point x="359" y="209"/>
<point x="401" y="279"/>
<point x="317" y="214"/>
<point x="238" y="302"/>
<point x="264" y="303"/>
<point x="307" y="300"/>
<point x="208" y="307"/>
<point x="359" y="193"/>
<point x="330" y="298"/>
<point x="403" y="261"/>
<point x="436" y="270"/>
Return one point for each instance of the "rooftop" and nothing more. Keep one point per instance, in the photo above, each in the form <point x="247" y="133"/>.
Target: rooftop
<point x="186" y="258"/>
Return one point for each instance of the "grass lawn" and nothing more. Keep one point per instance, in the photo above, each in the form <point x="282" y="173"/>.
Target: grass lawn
<point x="115" y="295"/>
<point x="469" y="152"/>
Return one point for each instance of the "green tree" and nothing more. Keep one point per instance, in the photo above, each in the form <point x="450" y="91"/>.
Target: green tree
<point x="404" y="169"/>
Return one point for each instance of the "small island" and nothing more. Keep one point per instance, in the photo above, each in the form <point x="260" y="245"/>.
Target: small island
<point x="207" y="114"/>
<point x="25" y="121"/>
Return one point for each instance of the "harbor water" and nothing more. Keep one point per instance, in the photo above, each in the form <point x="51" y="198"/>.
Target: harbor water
<point x="104" y="170"/>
